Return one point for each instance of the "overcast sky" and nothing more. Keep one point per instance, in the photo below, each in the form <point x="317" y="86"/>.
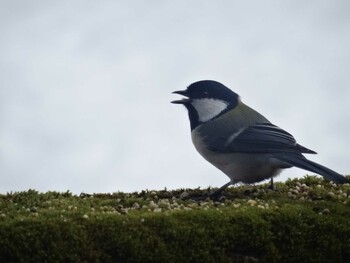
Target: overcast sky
<point x="85" y="86"/>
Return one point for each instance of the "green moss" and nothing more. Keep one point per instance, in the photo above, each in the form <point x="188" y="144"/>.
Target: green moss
<point x="304" y="220"/>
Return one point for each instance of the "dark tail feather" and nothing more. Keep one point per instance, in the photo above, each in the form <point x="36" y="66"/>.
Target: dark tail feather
<point x="301" y="162"/>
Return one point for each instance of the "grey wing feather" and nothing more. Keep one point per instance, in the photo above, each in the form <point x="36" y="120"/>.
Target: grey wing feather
<point x="257" y="138"/>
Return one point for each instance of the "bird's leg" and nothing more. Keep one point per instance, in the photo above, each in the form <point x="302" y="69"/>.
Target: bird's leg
<point x="216" y="193"/>
<point x="272" y="186"/>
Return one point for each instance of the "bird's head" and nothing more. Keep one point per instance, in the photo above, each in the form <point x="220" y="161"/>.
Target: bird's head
<point x="206" y="100"/>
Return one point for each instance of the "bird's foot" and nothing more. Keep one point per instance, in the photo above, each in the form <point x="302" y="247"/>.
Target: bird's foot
<point x="217" y="194"/>
<point x="272" y="186"/>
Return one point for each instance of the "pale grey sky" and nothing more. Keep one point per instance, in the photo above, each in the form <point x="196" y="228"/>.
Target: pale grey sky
<point x="85" y="86"/>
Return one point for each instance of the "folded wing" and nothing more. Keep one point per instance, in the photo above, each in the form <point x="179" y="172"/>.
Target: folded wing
<point x="257" y="138"/>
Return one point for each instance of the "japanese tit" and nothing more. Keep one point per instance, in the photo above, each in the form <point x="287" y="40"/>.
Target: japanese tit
<point x="240" y="141"/>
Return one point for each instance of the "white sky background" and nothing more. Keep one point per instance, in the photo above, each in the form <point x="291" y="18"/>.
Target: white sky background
<point x="85" y="86"/>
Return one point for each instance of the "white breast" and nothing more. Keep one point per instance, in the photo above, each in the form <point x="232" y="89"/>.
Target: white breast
<point x="208" y="109"/>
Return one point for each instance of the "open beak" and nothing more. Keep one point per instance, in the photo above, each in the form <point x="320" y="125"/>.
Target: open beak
<point x="182" y="101"/>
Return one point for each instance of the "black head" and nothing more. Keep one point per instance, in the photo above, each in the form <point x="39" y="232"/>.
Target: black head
<point x="206" y="100"/>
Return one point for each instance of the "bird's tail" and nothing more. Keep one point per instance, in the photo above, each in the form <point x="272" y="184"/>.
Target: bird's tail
<point x="301" y="162"/>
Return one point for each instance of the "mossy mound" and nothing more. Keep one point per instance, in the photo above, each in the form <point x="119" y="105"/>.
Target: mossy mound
<point x="306" y="220"/>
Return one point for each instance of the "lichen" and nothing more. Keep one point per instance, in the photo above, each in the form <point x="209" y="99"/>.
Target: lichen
<point x="304" y="220"/>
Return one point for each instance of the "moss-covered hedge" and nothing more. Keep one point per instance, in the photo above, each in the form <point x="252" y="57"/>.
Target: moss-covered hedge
<point x="305" y="220"/>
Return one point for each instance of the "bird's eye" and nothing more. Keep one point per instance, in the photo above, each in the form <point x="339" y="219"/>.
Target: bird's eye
<point x="205" y="93"/>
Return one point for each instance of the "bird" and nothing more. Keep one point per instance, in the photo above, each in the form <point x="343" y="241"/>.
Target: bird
<point x="238" y="140"/>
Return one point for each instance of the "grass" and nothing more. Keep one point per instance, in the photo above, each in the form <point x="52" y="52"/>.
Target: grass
<point x="305" y="220"/>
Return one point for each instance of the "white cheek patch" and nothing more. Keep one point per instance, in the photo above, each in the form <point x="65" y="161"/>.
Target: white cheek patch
<point x="208" y="108"/>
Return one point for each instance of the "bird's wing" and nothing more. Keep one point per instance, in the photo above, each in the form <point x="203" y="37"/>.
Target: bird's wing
<point x="257" y="138"/>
